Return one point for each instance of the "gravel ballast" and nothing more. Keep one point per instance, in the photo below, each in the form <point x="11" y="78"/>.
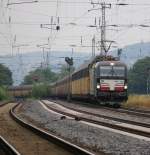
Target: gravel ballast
<point x="90" y="137"/>
<point x="104" y="112"/>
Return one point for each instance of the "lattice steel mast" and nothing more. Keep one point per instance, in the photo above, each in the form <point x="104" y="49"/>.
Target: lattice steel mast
<point x="103" y="28"/>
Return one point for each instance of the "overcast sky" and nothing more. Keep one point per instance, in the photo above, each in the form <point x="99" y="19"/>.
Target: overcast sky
<point x="74" y="20"/>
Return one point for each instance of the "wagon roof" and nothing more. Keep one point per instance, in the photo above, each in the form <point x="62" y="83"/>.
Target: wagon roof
<point x="20" y="87"/>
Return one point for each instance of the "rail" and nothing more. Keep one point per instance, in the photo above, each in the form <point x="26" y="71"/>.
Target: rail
<point x="142" y="113"/>
<point x="7" y="148"/>
<point x="50" y="137"/>
<point x="102" y="123"/>
<point x="136" y="112"/>
<point x="108" y="117"/>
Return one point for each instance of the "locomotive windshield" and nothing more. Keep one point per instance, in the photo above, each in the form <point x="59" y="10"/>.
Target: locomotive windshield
<point x="115" y="71"/>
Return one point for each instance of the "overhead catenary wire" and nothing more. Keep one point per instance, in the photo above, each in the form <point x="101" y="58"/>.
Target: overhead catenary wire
<point x="23" y="2"/>
<point x="88" y="2"/>
<point x="47" y="15"/>
<point x="70" y="2"/>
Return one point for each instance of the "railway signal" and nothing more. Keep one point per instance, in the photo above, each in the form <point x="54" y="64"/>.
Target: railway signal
<point x="70" y="63"/>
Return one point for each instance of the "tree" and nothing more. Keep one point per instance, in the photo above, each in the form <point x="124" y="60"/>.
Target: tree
<point x="137" y="76"/>
<point x="65" y="71"/>
<point x="5" y="76"/>
<point x="40" y="90"/>
<point x="3" y="93"/>
<point x="40" y="75"/>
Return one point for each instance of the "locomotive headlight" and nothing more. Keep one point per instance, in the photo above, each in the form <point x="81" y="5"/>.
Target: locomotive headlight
<point x="111" y="63"/>
<point x="98" y="86"/>
<point x="125" y="87"/>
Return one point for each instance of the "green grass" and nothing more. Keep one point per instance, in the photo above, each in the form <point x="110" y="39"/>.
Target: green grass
<point x="3" y="94"/>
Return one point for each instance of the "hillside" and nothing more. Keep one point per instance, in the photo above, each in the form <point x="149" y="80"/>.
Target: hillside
<point x="131" y="53"/>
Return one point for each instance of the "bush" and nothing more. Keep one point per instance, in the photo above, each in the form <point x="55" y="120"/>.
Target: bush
<point x="40" y="90"/>
<point x="137" y="101"/>
<point x="3" y="94"/>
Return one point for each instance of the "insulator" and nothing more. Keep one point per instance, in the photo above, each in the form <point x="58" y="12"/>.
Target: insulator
<point x="57" y="27"/>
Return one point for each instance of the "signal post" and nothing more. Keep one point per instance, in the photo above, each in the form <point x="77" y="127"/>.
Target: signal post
<point x="70" y="63"/>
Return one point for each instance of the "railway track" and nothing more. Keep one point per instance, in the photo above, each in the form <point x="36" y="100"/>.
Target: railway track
<point x="6" y="148"/>
<point x="134" y="112"/>
<point x="69" y="146"/>
<point x="33" y="140"/>
<point x="107" y="117"/>
<point x="144" y="131"/>
<point x="131" y="111"/>
<point x="137" y="110"/>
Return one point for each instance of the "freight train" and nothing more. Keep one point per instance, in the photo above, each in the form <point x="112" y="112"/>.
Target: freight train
<point x="20" y="91"/>
<point x="101" y="79"/>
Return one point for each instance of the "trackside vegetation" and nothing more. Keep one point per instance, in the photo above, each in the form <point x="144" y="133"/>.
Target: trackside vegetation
<point x="3" y="94"/>
<point x="40" y="75"/>
<point x="5" y="80"/>
<point x="40" y="91"/>
<point x="138" y="76"/>
<point x="138" y="101"/>
<point x="5" y="76"/>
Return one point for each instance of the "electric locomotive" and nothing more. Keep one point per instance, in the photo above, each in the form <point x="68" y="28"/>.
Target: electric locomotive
<point x="111" y="81"/>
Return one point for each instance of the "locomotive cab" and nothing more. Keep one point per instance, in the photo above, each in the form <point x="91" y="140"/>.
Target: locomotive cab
<point x="111" y="81"/>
